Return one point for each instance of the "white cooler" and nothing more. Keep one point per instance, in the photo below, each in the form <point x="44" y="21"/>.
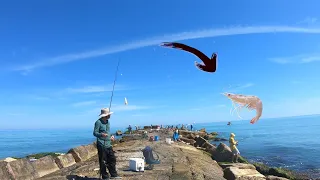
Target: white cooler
<point x="136" y="164"/>
<point x="168" y="140"/>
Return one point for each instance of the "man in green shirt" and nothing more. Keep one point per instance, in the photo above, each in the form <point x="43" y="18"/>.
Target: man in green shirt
<point x="106" y="155"/>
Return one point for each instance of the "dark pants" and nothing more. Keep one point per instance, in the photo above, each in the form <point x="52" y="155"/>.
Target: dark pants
<point x="107" y="159"/>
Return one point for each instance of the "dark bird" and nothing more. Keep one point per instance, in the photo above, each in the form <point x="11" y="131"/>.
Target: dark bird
<point x="210" y="64"/>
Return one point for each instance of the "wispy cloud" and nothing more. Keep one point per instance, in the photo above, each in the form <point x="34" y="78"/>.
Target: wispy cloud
<point x="140" y="115"/>
<point x="84" y="103"/>
<point x="298" y="59"/>
<point x="118" y="108"/>
<point x="205" y="33"/>
<point x="208" y="107"/>
<point x="308" y="20"/>
<point x="128" y="108"/>
<point x="94" y="89"/>
<point x="16" y="114"/>
<point x="240" y="87"/>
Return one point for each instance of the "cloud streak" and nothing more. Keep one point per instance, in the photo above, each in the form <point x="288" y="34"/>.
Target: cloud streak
<point x="309" y="20"/>
<point x="94" y="89"/>
<point x="84" y="103"/>
<point x="158" y="39"/>
<point x="298" y="59"/>
<point x="240" y="87"/>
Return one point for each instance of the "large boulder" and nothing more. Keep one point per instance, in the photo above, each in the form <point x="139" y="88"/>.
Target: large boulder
<point x="65" y="160"/>
<point x="83" y="153"/>
<point x="237" y="165"/>
<point x="45" y="165"/>
<point x="208" y="146"/>
<point x="234" y="173"/>
<point x="22" y="169"/>
<point x="276" y="178"/>
<point x="200" y="141"/>
<point x="186" y="133"/>
<point x="190" y="141"/>
<point x="209" y="137"/>
<point x="118" y="133"/>
<point x="92" y="150"/>
<point x="222" y="153"/>
<point x="191" y="136"/>
<point x="6" y="171"/>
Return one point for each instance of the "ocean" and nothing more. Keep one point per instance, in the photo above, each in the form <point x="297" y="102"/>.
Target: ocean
<point x="293" y="142"/>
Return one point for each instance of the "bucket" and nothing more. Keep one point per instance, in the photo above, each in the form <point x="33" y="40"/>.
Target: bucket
<point x="156" y="138"/>
<point x="168" y="140"/>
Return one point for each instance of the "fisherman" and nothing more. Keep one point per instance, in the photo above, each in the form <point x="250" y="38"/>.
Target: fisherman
<point x="234" y="149"/>
<point x="176" y="135"/>
<point x="106" y="155"/>
<point x="130" y="129"/>
<point x="191" y="127"/>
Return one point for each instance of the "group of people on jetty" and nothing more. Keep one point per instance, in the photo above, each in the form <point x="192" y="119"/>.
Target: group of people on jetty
<point x="106" y="156"/>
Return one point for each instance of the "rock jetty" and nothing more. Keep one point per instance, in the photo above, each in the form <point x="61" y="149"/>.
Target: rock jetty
<point x="192" y="159"/>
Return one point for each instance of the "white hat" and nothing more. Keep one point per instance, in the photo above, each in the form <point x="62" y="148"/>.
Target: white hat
<point x="105" y="112"/>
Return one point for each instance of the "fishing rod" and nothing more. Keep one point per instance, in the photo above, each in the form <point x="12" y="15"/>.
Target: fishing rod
<point x="114" y="83"/>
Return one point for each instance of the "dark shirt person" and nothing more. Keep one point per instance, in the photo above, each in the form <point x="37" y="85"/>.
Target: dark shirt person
<point x="106" y="155"/>
<point x="130" y="129"/>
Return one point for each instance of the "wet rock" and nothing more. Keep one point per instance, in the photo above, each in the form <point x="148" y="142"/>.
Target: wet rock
<point x="238" y="165"/>
<point x="234" y="173"/>
<point x="118" y="133"/>
<point x="223" y="153"/>
<point x="219" y="139"/>
<point x="209" y="137"/>
<point x="190" y="141"/>
<point x="214" y="133"/>
<point x="276" y="178"/>
<point x="191" y="136"/>
<point x="200" y="141"/>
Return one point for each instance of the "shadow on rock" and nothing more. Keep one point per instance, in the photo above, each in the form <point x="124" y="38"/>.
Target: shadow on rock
<point x="75" y="177"/>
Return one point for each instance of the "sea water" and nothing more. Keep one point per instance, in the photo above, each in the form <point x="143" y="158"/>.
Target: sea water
<point x="293" y="143"/>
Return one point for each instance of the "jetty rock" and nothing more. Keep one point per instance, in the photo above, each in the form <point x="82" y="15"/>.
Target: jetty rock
<point x="179" y="161"/>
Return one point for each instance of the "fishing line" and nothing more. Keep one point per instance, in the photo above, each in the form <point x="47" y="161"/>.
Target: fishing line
<point x="114" y="83"/>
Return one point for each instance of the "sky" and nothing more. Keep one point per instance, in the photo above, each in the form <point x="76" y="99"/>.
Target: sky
<point x="58" y="61"/>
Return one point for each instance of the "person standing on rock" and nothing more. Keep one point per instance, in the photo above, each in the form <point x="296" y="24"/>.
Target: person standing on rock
<point x="106" y="155"/>
<point x="234" y="149"/>
<point x="176" y="135"/>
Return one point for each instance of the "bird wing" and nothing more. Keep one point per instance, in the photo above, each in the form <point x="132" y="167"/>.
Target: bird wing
<point x="189" y="49"/>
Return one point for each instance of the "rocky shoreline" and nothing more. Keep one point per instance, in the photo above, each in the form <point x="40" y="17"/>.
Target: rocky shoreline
<point x="193" y="158"/>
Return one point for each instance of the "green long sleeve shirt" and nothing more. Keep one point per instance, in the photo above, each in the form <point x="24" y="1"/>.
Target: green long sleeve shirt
<point x="102" y="127"/>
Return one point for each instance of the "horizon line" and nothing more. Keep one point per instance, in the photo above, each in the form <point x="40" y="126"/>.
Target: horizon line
<point x="156" y="40"/>
<point x="84" y="127"/>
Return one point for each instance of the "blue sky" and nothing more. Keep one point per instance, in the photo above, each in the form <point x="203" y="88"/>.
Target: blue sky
<point x="58" y="60"/>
